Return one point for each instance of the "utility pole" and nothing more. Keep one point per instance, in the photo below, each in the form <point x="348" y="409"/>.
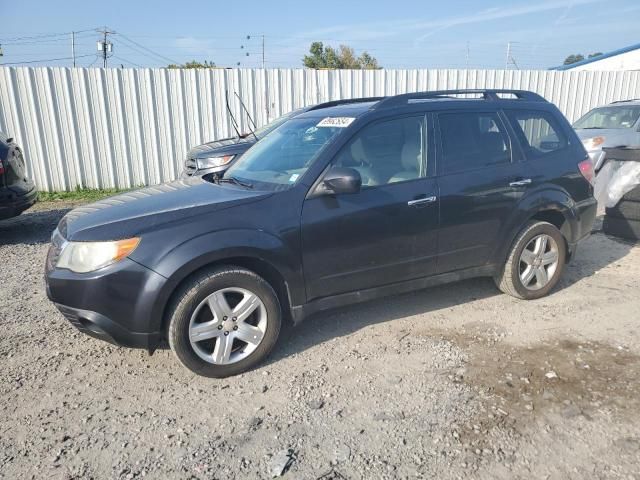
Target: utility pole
<point x="104" y="46"/>
<point x="73" y="48"/>
<point x="506" y="63"/>
<point x="467" y="54"/>
<point x="510" y="58"/>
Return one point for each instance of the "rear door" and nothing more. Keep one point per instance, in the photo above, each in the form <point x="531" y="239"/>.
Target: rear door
<point x="481" y="182"/>
<point x="385" y="233"/>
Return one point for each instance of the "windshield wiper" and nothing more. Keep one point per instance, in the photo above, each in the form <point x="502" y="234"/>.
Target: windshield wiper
<point x="234" y="181"/>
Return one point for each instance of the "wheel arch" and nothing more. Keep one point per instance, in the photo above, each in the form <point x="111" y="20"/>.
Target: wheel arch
<point x="548" y="205"/>
<point x="257" y="265"/>
<point x="263" y="253"/>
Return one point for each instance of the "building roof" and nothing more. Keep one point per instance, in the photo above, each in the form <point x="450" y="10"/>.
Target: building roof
<point x="612" y="53"/>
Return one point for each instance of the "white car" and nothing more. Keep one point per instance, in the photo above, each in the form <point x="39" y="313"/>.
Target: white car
<point x="613" y="125"/>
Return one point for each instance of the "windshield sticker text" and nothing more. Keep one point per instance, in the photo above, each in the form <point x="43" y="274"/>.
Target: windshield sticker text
<point x="340" y="122"/>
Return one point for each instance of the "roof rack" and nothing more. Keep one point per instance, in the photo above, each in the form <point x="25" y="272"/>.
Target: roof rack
<point x="346" y="101"/>
<point x="628" y="100"/>
<point x="487" y="94"/>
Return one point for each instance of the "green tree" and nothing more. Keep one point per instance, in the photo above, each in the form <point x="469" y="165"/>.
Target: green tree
<point x="578" y="57"/>
<point x="573" y="59"/>
<point x="321" y="56"/>
<point x="194" y="64"/>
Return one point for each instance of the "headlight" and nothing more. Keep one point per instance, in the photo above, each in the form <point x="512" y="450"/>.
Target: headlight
<point x="85" y="257"/>
<point x="211" y="162"/>
<point x="593" y="143"/>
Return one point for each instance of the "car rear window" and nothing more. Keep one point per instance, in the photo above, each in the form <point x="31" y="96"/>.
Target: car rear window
<point x="538" y="132"/>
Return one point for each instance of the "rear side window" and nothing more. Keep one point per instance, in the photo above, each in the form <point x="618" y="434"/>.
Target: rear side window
<point x="472" y="140"/>
<point x="538" y="132"/>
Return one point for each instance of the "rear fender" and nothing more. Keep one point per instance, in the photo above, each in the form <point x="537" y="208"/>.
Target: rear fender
<point x="539" y="200"/>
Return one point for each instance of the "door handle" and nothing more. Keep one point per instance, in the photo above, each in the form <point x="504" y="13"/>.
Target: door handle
<point x="422" y="201"/>
<point x="520" y="183"/>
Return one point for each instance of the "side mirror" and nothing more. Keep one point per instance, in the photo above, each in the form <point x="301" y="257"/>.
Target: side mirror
<point x="342" y="180"/>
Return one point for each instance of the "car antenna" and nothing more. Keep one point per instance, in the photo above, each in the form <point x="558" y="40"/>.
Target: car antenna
<point x="233" y="120"/>
<point x="248" y="115"/>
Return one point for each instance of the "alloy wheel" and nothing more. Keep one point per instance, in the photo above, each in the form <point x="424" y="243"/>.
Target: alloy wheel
<point x="538" y="262"/>
<point x="227" y="326"/>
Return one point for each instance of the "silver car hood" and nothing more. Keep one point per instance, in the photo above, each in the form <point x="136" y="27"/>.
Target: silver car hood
<point x="613" y="137"/>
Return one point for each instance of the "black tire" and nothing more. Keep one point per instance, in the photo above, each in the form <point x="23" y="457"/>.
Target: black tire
<point x="622" y="228"/>
<point x="625" y="209"/>
<point x="194" y="292"/>
<point x="633" y="195"/>
<point x="508" y="279"/>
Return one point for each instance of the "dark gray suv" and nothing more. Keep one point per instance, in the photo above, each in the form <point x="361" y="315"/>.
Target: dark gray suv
<point x="338" y="205"/>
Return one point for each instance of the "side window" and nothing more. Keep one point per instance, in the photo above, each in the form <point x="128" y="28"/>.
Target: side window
<point x="538" y="132"/>
<point x="386" y="152"/>
<point x="472" y="140"/>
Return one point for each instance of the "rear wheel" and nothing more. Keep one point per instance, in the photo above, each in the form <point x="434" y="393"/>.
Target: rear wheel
<point x="223" y="322"/>
<point x="535" y="262"/>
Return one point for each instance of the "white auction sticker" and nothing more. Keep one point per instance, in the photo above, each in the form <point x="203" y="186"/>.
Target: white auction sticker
<point x="340" y="122"/>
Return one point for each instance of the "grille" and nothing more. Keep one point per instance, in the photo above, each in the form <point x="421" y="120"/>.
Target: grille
<point x="57" y="242"/>
<point x="190" y="167"/>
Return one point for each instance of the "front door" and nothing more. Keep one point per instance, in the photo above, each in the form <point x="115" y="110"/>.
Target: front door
<point x="383" y="234"/>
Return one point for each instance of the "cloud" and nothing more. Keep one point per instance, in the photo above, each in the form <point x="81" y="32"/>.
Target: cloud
<point x="376" y="30"/>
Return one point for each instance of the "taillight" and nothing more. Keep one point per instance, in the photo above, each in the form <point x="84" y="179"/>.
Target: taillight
<point x="586" y="169"/>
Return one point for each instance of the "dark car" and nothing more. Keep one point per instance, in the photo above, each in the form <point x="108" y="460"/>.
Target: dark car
<point x="218" y="155"/>
<point x="339" y="205"/>
<point x="17" y="192"/>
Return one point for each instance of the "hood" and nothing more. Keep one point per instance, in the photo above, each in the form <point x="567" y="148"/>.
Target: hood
<point x="220" y="148"/>
<point x="613" y="137"/>
<point x="132" y="213"/>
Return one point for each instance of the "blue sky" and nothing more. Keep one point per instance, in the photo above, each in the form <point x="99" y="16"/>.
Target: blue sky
<point x="401" y="34"/>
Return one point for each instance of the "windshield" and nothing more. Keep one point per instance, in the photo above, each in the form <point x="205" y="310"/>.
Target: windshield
<point x="610" y="117"/>
<point x="278" y="160"/>
<point x="265" y="129"/>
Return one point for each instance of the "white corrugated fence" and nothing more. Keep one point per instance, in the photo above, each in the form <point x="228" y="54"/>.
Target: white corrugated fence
<point x="101" y="128"/>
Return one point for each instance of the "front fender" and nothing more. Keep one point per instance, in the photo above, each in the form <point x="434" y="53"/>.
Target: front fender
<point x="216" y="247"/>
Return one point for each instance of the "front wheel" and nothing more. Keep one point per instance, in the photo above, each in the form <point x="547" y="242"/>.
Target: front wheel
<point x="535" y="262"/>
<point x="223" y="322"/>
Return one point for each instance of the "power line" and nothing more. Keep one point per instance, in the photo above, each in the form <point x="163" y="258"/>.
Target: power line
<point x="128" y="61"/>
<point x="137" y="50"/>
<point x="47" y="60"/>
<point x="147" y="49"/>
<point x="44" y="35"/>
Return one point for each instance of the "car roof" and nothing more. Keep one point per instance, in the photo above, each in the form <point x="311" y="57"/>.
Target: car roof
<point x="623" y="103"/>
<point x="411" y="100"/>
<point x="343" y="110"/>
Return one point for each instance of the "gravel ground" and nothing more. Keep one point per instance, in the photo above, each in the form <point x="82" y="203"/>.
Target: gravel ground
<point x="452" y="382"/>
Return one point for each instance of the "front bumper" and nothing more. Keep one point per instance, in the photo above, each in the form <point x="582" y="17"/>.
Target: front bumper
<point x="114" y="304"/>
